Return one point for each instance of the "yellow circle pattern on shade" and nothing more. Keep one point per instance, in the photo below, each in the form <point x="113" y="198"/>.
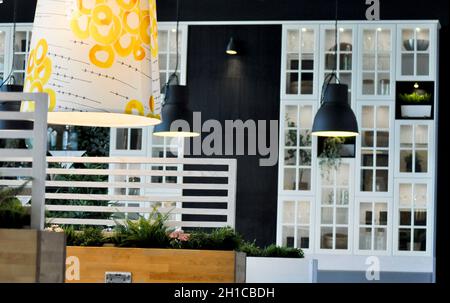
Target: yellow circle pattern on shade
<point x="108" y="29"/>
<point x="94" y="58"/>
<point x="39" y="70"/>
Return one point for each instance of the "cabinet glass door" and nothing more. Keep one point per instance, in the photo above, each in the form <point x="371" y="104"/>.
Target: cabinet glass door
<point x="297" y="147"/>
<point x="414" y="148"/>
<point x="334" y="210"/>
<point x="376" y="49"/>
<point x="415" y="51"/>
<point x="374" y="147"/>
<point x="373" y="226"/>
<point x="339" y="57"/>
<point x="296" y="223"/>
<point x="300" y="62"/>
<point x="21" y="51"/>
<point x="412" y="216"/>
<point x="2" y="54"/>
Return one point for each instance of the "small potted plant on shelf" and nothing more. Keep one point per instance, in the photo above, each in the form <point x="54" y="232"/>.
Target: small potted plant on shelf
<point x="417" y="104"/>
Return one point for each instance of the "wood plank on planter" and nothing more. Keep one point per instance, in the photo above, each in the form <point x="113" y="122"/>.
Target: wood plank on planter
<point x="18" y="255"/>
<point x="28" y="255"/>
<point x="159" y="265"/>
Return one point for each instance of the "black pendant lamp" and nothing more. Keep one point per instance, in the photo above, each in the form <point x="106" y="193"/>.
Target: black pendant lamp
<point x="335" y="117"/>
<point x="175" y="108"/>
<point x="175" y="103"/>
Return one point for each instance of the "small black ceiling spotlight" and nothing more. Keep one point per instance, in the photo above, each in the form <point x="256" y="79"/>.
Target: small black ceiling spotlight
<point x="231" y="47"/>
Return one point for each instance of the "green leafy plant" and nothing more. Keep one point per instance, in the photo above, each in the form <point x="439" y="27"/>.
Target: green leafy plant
<point x="274" y="251"/>
<point x="95" y="140"/>
<point x="251" y="249"/>
<point x="330" y="158"/>
<point x="145" y="233"/>
<point x="89" y="236"/>
<point x="271" y="251"/>
<point x="12" y="213"/>
<point x="415" y="97"/>
<point x="219" y="239"/>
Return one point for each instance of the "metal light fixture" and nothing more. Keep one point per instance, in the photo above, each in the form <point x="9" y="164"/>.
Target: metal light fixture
<point x="231" y="47"/>
<point x="335" y="117"/>
<point x="175" y="104"/>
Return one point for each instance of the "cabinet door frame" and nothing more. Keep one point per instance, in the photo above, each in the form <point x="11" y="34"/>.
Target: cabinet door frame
<point x="392" y="146"/>
<point x="430" y="218"/>
<point x="392" y="63"/>
<point x="280" y="208"/>
<point x="389" y="227"/>
<point x="284" y="36"/>
<point x="281" y="190"/>
<point x="432" y="52"/>
<point x="355" y="50"/>
<point x="431" y="149"/>
<point x="351" y="218"/>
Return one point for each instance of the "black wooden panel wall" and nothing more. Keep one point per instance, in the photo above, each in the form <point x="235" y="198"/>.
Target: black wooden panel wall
<point x="242" y="87"/>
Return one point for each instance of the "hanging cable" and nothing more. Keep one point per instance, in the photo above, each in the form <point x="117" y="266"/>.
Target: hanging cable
<point x="13" y="43"/>
<point x="174" y="74"/>
<point x="333" y="73"/>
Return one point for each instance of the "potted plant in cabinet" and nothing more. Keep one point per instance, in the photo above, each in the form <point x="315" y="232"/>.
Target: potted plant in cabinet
<point x="416" y="105"/>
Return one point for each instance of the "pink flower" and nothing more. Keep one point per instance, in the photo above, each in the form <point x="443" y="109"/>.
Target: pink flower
<point x="179" y="235"/>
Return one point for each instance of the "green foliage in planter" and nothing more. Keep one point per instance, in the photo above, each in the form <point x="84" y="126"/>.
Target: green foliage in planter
<point x="89" y="236"/>
<point x="144" y="233"/>
<point x="271" y="251"/>
<point x="274" y="251"/>
<point x="415" y="97"/>
<point x="251" y="249"/>
<point x="219" y="239"/>
<point x="12" y="213"/>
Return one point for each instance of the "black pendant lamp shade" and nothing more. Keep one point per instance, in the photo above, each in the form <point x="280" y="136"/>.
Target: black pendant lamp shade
<point x="231" y="47"/>
<point x="335" y="117"/>
<point x="175" y="108"/>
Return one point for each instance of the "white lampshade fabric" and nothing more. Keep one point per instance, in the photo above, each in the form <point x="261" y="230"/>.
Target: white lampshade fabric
<point x="97" y="60"/>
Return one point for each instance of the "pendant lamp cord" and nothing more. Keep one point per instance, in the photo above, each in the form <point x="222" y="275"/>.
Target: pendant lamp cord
<point x="174" y="75"/>
<point x="13" y="43"/>
<point x="333" y="73"/>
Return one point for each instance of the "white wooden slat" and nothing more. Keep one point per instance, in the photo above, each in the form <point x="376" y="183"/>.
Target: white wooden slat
<point x="140" y="160"/>
<point x="113" y="222"/>
<point x="19" y="116"/>
<point x="16" y="172"/>
<point x="135" y="172"/>
<point x="17" y="159"/>
<point x="15" y="134"/>
<point x="122" y="209"/>
<point x="91" y="197"/>
<point x="87" y="184"/>
<point x="12" y="96"/>
<point x="14" y="183"/>
<point x="12" y="152"/>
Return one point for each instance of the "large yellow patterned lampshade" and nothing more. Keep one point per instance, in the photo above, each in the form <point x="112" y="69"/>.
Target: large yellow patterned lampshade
<point x="97" y="60"/>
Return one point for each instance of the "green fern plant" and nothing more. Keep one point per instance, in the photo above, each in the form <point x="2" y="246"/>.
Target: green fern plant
<point x="12" y="213"/>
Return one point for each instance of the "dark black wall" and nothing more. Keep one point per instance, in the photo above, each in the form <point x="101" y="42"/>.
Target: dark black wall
<point x="240" y="87"/>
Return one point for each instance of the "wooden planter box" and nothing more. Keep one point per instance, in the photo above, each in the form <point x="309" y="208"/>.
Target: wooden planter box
<point x="155" y="265"/>
<point x="28" y="255"/>
<point x="281" y="270"/>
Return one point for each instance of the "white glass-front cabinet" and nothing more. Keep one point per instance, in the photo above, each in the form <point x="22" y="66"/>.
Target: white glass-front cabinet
<point x="381" y="201"/>
<point x="413" y="217"/>
<point x="376" y="72"/>
<point x="416" y="45"/>
<point x="300" y="62"/>
<point x="13" y="58"/>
